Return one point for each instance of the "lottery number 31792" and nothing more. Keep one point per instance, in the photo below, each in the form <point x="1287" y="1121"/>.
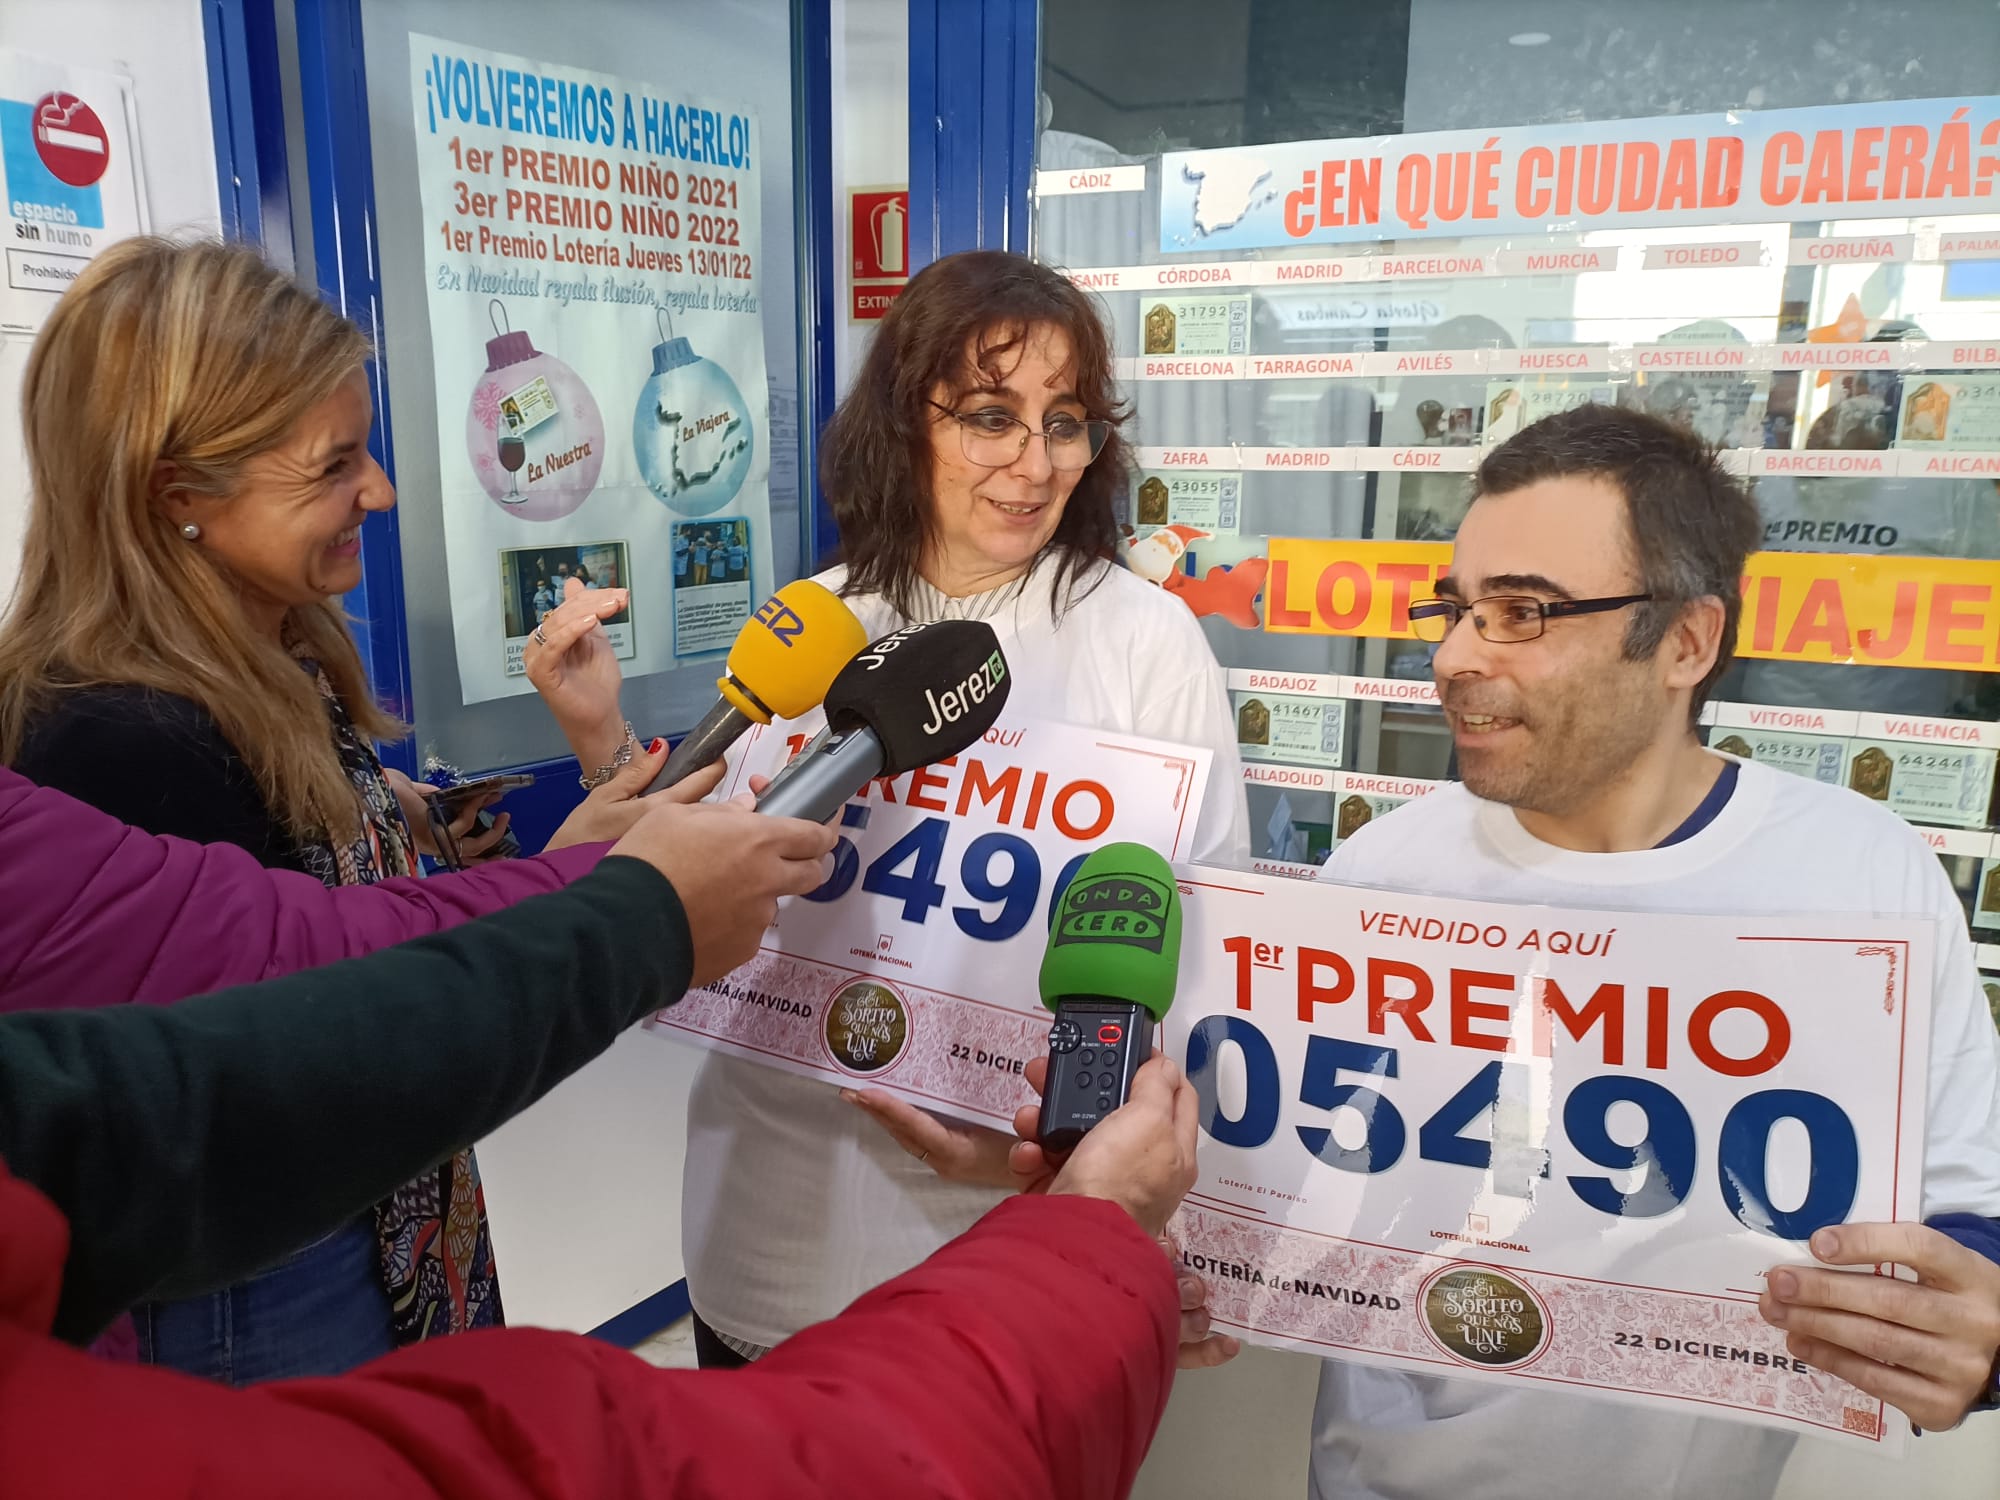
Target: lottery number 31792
<point x="907" y="871"/>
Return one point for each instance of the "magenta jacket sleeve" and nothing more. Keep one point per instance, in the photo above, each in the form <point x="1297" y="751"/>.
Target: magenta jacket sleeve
<point x="95" y="913"/>
<point x="1030" y="1359"/>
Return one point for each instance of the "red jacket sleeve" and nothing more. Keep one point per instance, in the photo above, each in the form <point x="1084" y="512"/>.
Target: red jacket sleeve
<point x="1030" y="1358"/>
<point x="93" y="912"/>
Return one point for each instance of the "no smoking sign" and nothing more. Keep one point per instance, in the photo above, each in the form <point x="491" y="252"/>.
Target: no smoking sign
<point x="71" y="140"/>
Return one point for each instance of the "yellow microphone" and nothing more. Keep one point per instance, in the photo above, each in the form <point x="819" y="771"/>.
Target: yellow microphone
<point x="783" y="661"/>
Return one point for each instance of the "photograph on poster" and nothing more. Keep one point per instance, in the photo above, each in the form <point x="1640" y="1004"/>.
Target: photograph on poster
<point x="532" y="580"/>
<point x="712" y="594"/>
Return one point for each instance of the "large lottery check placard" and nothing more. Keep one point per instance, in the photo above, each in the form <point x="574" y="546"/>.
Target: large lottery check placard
<point x="1561" y="1147"/>
<point x="914" y="967"/>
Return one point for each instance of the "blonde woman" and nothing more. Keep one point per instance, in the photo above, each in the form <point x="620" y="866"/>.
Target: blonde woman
<point x="197" y="432"/>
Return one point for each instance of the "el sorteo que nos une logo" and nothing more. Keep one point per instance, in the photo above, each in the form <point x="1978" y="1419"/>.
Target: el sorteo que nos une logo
<point x="867" y="1026"/>
<point x="1483" y="1317"/>
<point x="1115" y="908"/>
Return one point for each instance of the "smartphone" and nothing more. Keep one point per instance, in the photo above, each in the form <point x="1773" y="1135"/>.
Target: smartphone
<point x="455" y="799"/>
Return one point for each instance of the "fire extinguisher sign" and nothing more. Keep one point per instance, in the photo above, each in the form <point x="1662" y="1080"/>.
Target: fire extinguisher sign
<point x="879" y="231"/>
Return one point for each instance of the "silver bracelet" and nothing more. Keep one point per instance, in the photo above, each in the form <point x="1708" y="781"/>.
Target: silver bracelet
<point x="619" y="761"/>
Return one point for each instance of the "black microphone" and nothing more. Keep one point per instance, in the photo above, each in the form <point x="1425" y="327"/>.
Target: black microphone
<point x="920" y="695"/>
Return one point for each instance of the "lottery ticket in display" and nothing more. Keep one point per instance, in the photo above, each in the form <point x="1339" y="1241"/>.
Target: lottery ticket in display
<point x="1291" y="731"/>
<point x="1922" y="783"/>
<point x="1196" y="325"/>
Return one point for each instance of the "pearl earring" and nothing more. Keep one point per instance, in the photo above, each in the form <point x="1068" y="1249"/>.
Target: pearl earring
<point x="191" y="531"/>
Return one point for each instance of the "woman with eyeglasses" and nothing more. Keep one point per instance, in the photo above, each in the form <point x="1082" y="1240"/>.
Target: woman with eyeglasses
<point x="973" y="471"/>
<point x="197" y="435"/>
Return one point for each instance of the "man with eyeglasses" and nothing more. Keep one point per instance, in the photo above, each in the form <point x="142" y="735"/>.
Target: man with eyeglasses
<point x="1592" y="604"/>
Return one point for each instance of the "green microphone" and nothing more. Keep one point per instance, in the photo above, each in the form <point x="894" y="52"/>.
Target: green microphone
<point x="1109" y="972"/>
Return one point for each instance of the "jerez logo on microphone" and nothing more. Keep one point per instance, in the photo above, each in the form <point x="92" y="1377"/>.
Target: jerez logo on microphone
<point x="957" y="703"/>
<point x="1115" y="908"/>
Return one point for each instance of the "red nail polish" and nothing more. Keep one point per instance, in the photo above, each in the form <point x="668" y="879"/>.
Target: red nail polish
<point x="656" y="747"/>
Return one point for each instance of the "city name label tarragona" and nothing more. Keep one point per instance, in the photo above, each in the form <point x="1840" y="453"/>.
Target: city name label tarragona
<point x="1797" y="606"/>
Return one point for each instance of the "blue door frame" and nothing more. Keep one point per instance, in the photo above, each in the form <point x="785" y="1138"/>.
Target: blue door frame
<point x="974" y="94"/>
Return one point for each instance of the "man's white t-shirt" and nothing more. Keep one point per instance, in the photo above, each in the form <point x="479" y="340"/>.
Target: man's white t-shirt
<point x="1781" y="845"/>
<point x="794" y="1203"/>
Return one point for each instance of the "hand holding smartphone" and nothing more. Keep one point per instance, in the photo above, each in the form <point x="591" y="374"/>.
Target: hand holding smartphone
<point x="455" y="799"/>
<point x="447" y="809"/>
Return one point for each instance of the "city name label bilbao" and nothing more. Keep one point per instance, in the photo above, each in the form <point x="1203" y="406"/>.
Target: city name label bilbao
<point x="914" y="966"/>
<point x="1522" y="1143"/>
<point x="1797" y="606"/>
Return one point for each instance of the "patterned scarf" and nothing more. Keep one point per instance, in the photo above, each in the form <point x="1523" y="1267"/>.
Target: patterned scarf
<point x="437" y="1252"/>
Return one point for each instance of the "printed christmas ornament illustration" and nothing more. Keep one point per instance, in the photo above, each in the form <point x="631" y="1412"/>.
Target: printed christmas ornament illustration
<point x="533" y="430"/>
<point x="691" y="429"/>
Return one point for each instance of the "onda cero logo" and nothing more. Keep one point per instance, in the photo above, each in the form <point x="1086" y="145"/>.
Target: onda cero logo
<point x="1117" y="908"/>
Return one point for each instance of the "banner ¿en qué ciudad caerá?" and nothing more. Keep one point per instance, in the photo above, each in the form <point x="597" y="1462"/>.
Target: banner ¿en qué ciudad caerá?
<point x="1895" y="159"/>
<point x="595" y="251"/>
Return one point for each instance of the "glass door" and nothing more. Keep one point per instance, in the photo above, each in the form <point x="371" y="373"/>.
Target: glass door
<point x="1346" y="248"/>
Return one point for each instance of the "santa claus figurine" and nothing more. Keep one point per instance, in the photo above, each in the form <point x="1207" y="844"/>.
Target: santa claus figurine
<point x="1157" y="556"/>
<point x="1227" y="593"/>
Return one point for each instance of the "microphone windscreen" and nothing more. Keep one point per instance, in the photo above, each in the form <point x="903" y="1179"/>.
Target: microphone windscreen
<point x="788" y="653"/>
<point x="927" y="691"/>
<point x="1117" y="933"/>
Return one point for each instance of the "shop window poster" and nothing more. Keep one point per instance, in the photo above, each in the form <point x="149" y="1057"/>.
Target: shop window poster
<point x="596" y="324"/>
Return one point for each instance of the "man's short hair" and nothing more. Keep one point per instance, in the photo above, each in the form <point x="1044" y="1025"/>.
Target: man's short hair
<point x="1692" y="525"/>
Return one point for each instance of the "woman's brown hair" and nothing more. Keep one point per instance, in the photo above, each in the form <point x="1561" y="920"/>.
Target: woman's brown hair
<point x="198" y="356"/>
<point x="962" y="323"/>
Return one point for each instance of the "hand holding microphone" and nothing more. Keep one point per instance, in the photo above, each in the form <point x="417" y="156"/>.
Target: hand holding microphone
<point x="1109" y="974"/>
<point x="1128" y="1125"/>
<point x="729" y="867"/>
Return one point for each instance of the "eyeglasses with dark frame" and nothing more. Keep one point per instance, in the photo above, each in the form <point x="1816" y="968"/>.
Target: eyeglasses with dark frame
<point x="987" y="438"/>
<point x="1507" y="619"/>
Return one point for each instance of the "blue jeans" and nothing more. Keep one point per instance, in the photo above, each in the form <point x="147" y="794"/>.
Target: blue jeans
<point x="322" y="1312"/>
